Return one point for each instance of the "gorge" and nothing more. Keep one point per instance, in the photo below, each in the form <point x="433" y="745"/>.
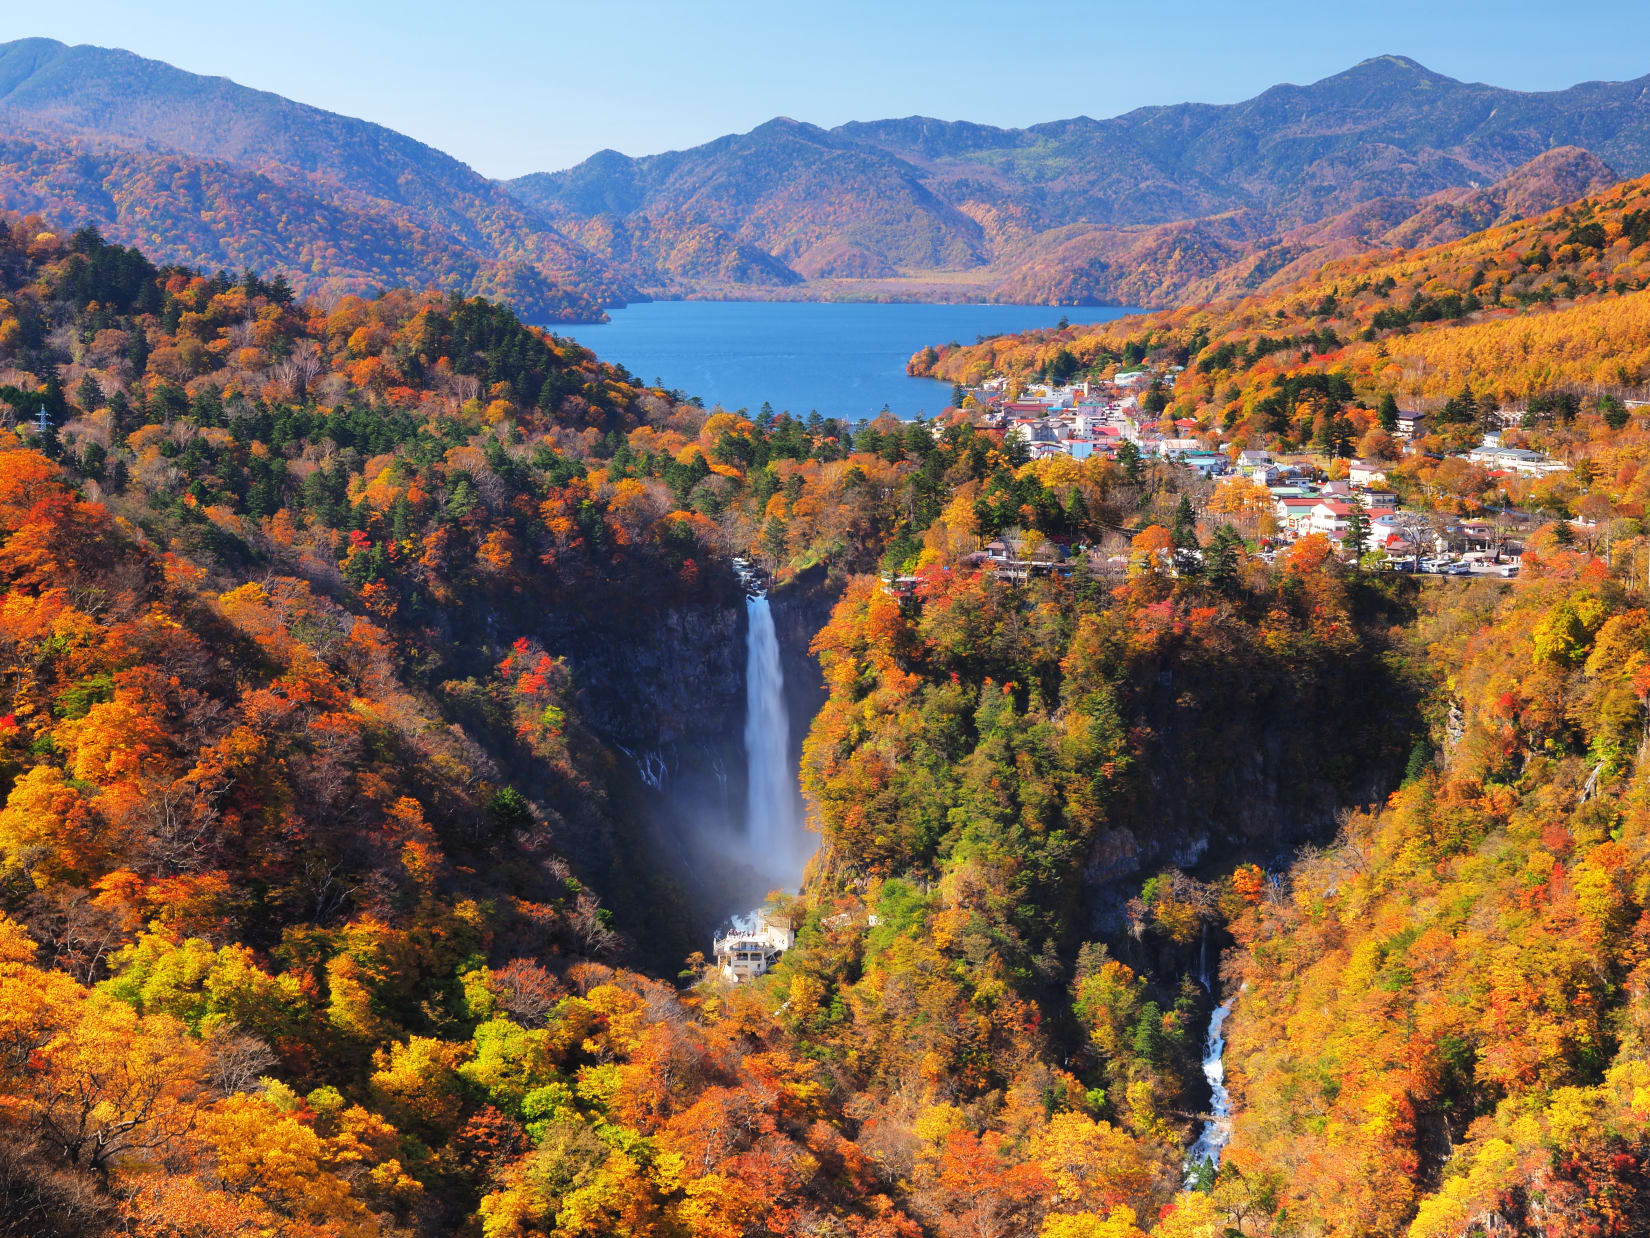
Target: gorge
<point x="395" y="696"/>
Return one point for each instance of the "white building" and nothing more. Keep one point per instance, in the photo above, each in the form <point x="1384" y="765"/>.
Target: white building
<point x="1365" y="472"/>
<point x="1515" y="460"/>
<point x="751" y="949"/>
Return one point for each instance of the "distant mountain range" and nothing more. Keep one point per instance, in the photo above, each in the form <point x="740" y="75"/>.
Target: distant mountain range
<point x="1074" y="209"/>
<point x="1159" y="205"/>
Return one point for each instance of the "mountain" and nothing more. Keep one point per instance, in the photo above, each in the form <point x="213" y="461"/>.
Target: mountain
<point x="1153" y="207"/>
<point x="1231" y="254"/>
<point x="990" y="211"/>
<point x="210" y="173"/>
<point x="1551" y="307"/>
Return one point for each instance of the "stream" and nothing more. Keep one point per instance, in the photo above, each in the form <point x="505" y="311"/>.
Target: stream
<point x="1217" y="1129"/>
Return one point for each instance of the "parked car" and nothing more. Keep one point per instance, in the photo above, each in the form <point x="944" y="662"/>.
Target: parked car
<point x="1458" y="569"/>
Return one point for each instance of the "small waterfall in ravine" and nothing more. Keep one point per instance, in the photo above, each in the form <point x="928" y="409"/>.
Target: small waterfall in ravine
<point x="1217" y="1129"/>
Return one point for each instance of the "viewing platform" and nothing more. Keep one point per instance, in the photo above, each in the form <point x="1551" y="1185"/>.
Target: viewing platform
<point x="752" y="947"/>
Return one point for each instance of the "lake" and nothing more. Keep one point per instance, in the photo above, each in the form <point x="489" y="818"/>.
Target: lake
<point x="845" y="359"/>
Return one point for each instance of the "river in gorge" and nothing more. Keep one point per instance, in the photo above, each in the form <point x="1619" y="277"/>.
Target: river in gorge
<point x="1217" y="1127"/>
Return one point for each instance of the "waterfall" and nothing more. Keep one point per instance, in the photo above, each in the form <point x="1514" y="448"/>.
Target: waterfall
<point x="1217" y="1131"/>
<point x="773" y="824"/>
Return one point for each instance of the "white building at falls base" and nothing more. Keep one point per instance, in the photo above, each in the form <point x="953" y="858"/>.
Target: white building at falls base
<point x="752" y="948"/>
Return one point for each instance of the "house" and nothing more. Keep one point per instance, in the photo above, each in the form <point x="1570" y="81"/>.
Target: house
<point x="1208" y="463"/>
<point x="1176" y="446"/>
<point x="1333" y="517"/>
<point x="1032" y="430"/>
<point x="1515" y="460"/>
<point x="750" y="949"/>
<point x="1411" y="425"/>
<point x="1363" y="472"/>
<point x="1295" y="513"/>
<point x="1386" y="533"/>
<point x="1131" y="378"/>
<point x="1373" y="498"/>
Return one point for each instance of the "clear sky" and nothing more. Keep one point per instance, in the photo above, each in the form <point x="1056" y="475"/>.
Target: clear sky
<point x="514" y="86"/>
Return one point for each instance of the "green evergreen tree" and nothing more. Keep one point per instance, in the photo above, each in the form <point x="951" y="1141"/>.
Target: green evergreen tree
<point x="1183" y="528"/>
<point x="1220" y="559"/>
<point x="1387" y="414"/>
<point x="463" y="499"/>
<point x="775" y="544"/>
<point x="1613" y="411"/>
<point x="1156" y="398"/>
<point x="1357" y="530"/>
<point x="1128" y="456"/>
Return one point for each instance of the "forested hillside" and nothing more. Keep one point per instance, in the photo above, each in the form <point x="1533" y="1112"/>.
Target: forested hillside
<point x="201" y="171"/>
<point x="1511" y="316"/>
<point x="331" y="903"/>
<point x="1444" y="1016"/>
<point x="304" y="825"/>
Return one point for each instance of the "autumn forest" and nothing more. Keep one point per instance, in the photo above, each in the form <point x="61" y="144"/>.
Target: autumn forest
<point x="373" y="675"/>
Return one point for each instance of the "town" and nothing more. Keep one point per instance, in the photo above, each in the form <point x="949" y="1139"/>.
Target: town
<point x="1274" y="498"/>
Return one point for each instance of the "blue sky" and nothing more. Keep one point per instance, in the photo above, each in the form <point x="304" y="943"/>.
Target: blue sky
<point x="512" y="86"/>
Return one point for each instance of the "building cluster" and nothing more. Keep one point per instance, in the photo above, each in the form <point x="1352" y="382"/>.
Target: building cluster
<point x="1095" y="419"/>
<point x="1092" y="418"/>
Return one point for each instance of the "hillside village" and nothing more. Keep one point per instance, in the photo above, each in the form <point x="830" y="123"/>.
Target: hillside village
<point x="1110" y="419"/>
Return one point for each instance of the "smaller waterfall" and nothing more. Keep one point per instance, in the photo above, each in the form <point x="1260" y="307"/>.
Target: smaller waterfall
<point x="1217" y="1131"/>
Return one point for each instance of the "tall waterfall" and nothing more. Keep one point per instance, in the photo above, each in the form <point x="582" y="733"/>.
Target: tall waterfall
<point x="773" y="825"/>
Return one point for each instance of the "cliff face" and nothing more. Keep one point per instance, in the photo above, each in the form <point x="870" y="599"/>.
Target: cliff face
<point x="1239" y="771"/>
<point x="665" y="692"/>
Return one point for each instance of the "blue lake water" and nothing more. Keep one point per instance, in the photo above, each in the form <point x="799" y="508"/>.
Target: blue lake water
<point x="844" y="359"/>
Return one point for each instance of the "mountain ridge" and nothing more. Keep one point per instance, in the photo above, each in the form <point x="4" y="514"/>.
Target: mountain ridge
<point x="1297" y="155"/>
<point x="456" y="229"/>
<point x="207" y="172"/>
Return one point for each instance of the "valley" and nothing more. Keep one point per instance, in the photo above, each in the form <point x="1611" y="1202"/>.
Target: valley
<point x="876" y="770"/>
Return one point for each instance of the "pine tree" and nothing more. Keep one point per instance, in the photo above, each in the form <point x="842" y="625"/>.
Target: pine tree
<point x="1357" y="530"/>
<point x="1128" y="457"/>
<point x="1183" y="529"/>
<point x="775" y="541"/>
<point x="89" y="396"/>
<point x="1388" y="413"/>
<point x="1220" y="560"/>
